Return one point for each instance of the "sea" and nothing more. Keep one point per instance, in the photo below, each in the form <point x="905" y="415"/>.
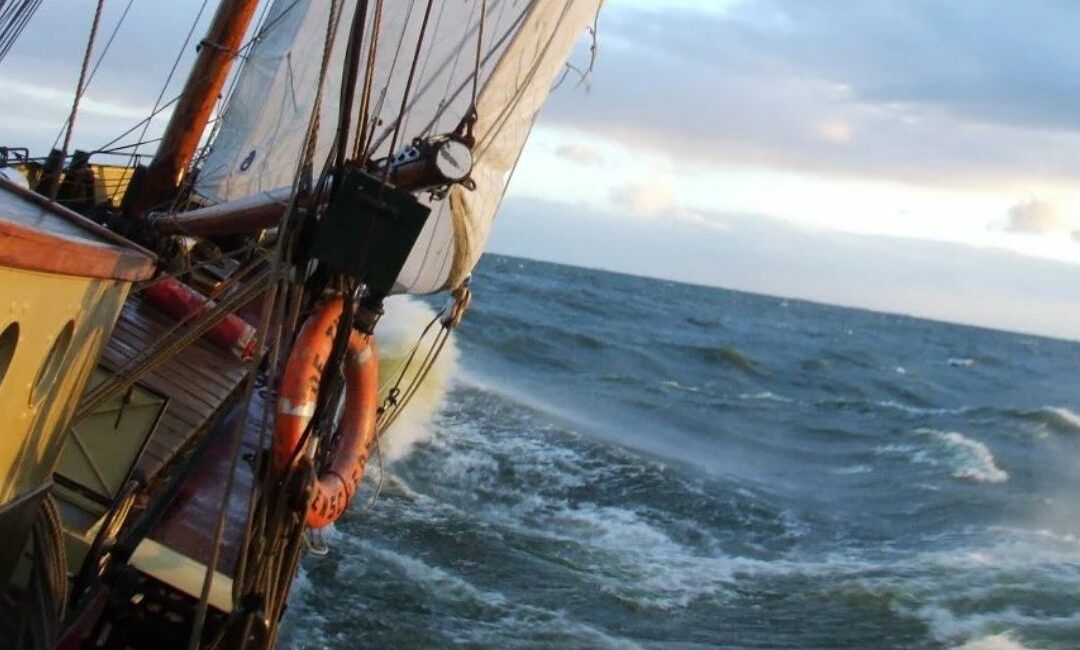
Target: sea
<point x="609" y="461"/>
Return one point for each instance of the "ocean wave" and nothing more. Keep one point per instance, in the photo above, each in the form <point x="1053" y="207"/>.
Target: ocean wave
<point x="967" y="458"/>
<point x="728" y="356"/>
<point x="851" y="470"/>
<point x="629" y="557"/>
<point x="858" y="358"/>
<point x="765" y="396"/>
<point x="671" y="383"/>
<point x="920" y="410"/>
<point x="988" y="630"/>
<point x="960" y="362"/>
<point x="1056" y="417"/>
<point x="862" y="404"/>
<point x="431" y="578"/>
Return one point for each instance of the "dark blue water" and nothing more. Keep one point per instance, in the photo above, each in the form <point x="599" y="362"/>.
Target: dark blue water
<point x="625" y="462"/>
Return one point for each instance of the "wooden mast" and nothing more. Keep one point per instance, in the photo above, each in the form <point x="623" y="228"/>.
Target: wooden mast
<point x="216" y="53"/>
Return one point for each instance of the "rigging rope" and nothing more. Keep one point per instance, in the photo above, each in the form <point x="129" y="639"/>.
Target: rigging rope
<point x="97" y="64"/>
<point x="78" y="96"/>
<point x="360" y="139"/>
<point x="13" y="19"/>
<point x="479" y="51"/>
<point x="389" y="76"/>
<point x="408" y="87"/>
<point x="273" y="533"/>
<point x="168" y="80"/>
<point x="351" y="67"/>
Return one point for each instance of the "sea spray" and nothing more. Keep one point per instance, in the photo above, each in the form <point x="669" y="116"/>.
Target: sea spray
<point x="397" y="335"/>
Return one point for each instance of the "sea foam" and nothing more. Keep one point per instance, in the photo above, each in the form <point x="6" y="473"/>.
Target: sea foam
<point x="993" y="642"/>
<point x="398" y="331"/>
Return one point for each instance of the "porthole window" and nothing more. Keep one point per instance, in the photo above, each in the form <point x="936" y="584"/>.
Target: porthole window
<point x="49" y="371"/>
<point x="9" y="339"/>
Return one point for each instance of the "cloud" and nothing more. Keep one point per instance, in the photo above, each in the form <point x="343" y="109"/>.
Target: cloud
<point x="39" y="74"/>
<point x="645" y="198"/>
<point x="944" y="94"/>
<point x="580" y="154"/>
<point x="1037" y="216"/>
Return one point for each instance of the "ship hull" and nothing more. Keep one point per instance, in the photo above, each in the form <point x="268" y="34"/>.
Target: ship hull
<point x="63" y="282"/>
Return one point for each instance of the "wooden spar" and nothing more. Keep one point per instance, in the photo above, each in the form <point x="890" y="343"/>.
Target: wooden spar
<point x="216" y="53"/>
<point x="242" y="216"/>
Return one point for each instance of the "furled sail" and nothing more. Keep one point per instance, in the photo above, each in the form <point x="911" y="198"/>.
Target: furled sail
<point x="524" y="47"/>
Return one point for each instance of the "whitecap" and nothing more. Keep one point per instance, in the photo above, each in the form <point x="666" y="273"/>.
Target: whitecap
<point x="984" y="630"/>
<point x="1063" y="417"/>
<point x="853" y="469"/>
<point x="677" y="386"/>
<point x="766" y="396"/>
<point x="1004" y="641"/>
<point x="967" y="458"/>
<point x="960" y="362"/>
<point x="916" y="410"/>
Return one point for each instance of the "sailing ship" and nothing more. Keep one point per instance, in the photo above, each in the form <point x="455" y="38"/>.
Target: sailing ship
<point x="190" y="384"/>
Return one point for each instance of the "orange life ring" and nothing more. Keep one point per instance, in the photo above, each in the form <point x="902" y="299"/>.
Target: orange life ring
<point x="299" y="392"/>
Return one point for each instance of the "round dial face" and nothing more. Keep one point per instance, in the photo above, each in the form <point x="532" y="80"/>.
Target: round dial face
<point x="453" y="160"/>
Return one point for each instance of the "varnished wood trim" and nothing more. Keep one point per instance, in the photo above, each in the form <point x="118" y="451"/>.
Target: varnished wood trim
<point x="34" y="250"/>
<point x="72" y="217"/>
<point x="31" y="249"/>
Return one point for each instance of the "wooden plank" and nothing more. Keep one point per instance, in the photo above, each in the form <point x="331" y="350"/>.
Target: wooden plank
<point x="197" y="381"/>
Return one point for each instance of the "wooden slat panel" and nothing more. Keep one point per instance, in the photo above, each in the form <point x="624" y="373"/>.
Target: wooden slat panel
<point x="197" y="381"/>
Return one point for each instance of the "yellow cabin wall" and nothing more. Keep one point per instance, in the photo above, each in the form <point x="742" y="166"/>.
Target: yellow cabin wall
<point x="31" y="434"/>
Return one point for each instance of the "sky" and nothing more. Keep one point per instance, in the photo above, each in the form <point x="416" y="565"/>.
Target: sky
<point x="917" y="157"/>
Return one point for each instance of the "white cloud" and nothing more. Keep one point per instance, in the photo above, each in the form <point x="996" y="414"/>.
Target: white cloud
<point x="646" y="197"/>
<point x="836" y="132"/>
<point x="1037" y="216"/>
<point x="581" y="154"/>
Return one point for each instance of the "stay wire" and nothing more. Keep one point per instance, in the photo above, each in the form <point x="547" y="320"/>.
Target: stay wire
<point x="168" y="80"/>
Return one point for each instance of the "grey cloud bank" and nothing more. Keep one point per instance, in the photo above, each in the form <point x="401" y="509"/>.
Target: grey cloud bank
<point x="989" y="287"/>
<point x="955" y="93"/>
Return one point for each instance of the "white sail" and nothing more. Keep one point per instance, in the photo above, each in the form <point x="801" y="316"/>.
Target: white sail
<point x="524" y="47"/>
